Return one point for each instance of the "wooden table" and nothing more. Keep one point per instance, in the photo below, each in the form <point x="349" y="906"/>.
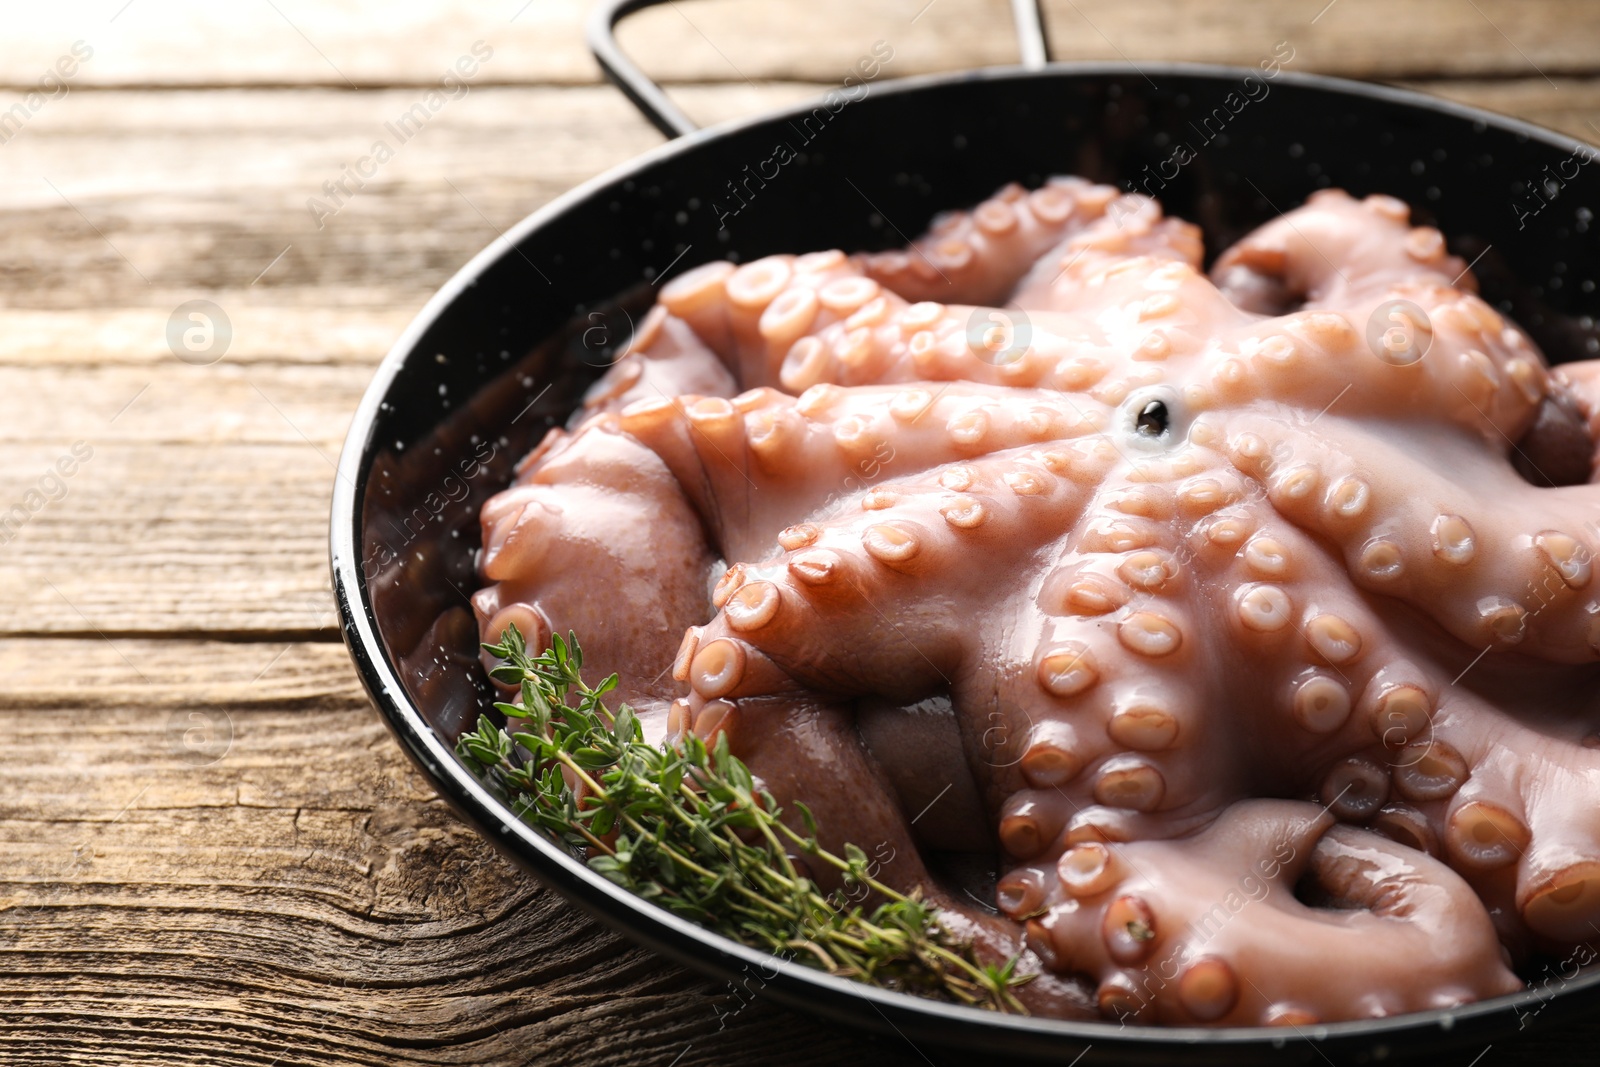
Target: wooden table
<point x="210" y="849"/>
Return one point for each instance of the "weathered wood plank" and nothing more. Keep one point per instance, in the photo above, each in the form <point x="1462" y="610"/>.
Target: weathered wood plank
<point x="211" y="189"/>
<point x="170" y="401"/>
<point x="266" y="328"/>
<point x="730" y="40"/>
<point x="297" y="896"/>
<point x="169" y="537"/>
<point x="298" y="42"/>
<point x="291" y="42"/>
<point x="150" y="679"/>
<point x="169" y="497"/>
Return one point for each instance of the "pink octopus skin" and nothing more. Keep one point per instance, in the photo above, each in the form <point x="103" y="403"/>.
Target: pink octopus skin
<point x="968" y="599"/>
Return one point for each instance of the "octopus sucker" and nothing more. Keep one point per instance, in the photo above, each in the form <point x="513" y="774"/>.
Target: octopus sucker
<point x="1320" y="702"/>
<point x="1263" y="607"/>
<point x="1481" y="834"/>
<point x="1563" y="906"/>
<point x="1029" y="825"/>
<point x="1144" y="727"/>
<point x="1260" y="656"/>
<point x="1355" y="789"/>
<point x="1053" y="755"/>
<point x="1149" y="634"/>
<point x="1068" y="669"/>
<point x="1397" y="710"/>
<point x="1087" y="870"/>
<point x="717" y="668"/>
<point x="1430" y="770"/>
<point x="1405" y="825"/>
<point x="1130" y="782"/>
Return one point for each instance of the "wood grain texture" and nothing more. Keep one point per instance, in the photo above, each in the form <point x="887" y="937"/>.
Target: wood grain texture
<point x="210" y="850"/>
<point x="212" y="189"/>
<point x="300" y="42"/>
<point x="733" y="41"/>
<point x="94" y="268"/>
<point x="165" y="537"/>
<point x="288" y="891"/>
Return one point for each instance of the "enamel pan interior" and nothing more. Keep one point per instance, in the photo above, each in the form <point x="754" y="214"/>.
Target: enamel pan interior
<point x="505" y="350"/>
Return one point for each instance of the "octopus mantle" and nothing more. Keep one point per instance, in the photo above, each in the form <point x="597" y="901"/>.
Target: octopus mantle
<point x="1260" y="654"/>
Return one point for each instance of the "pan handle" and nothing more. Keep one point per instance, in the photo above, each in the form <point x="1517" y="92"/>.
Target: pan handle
<point x="653" y="102"/>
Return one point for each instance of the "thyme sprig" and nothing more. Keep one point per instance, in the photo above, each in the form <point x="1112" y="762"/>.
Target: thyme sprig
<point x="686" y="827"/>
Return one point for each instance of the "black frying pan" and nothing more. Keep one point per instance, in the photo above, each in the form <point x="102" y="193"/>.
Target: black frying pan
<point x="505" y="350"/>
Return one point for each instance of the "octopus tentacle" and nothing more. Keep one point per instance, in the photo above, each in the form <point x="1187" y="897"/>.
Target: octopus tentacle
<point x="664" y="358"/>
<point x="1326" y="686"/>
<point x="1557" y="448"/>
<point x="856" y="575"/>
<point x="1126" y="672"/>
<point x="1495" y="794"/>
<point x="1519" y="573"/>
<point x="750" y="315"/>
<point x="977" y="257"/>
<point x="598" y="510"/>
<point x="1031" y="250"/>
<point x="1187" y="931"/>
<point x="1133" y="228"/>
<point x="788" y="741"/>
<point x="1332" y="249"/>
<point x="809" y="451"/>
<point x="1117" y="720"/>
<point x="776" y="322"/>
<point x="1479" y="377"/>
<point x="1149" y="311"/>
<point x="1166" y="311"/>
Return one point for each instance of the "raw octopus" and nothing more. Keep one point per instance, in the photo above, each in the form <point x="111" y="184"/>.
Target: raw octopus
<point x="1247" y="621"/>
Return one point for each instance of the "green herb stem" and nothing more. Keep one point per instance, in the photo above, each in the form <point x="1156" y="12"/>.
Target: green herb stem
<point x="670" y="824"/>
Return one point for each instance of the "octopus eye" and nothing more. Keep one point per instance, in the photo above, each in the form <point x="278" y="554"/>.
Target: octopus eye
<point x="1153" y="420"/>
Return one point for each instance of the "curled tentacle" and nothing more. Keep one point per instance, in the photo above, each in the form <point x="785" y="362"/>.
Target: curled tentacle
<point x="750" y="315"/>
<point x="1208" y="929"/>
<point x="1331" y="250"/>
<point x="789" y="741"/>
<point x="1579" y="387"/>
<point x="1494" y="795"/>
<point x="1132" y="228"/>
